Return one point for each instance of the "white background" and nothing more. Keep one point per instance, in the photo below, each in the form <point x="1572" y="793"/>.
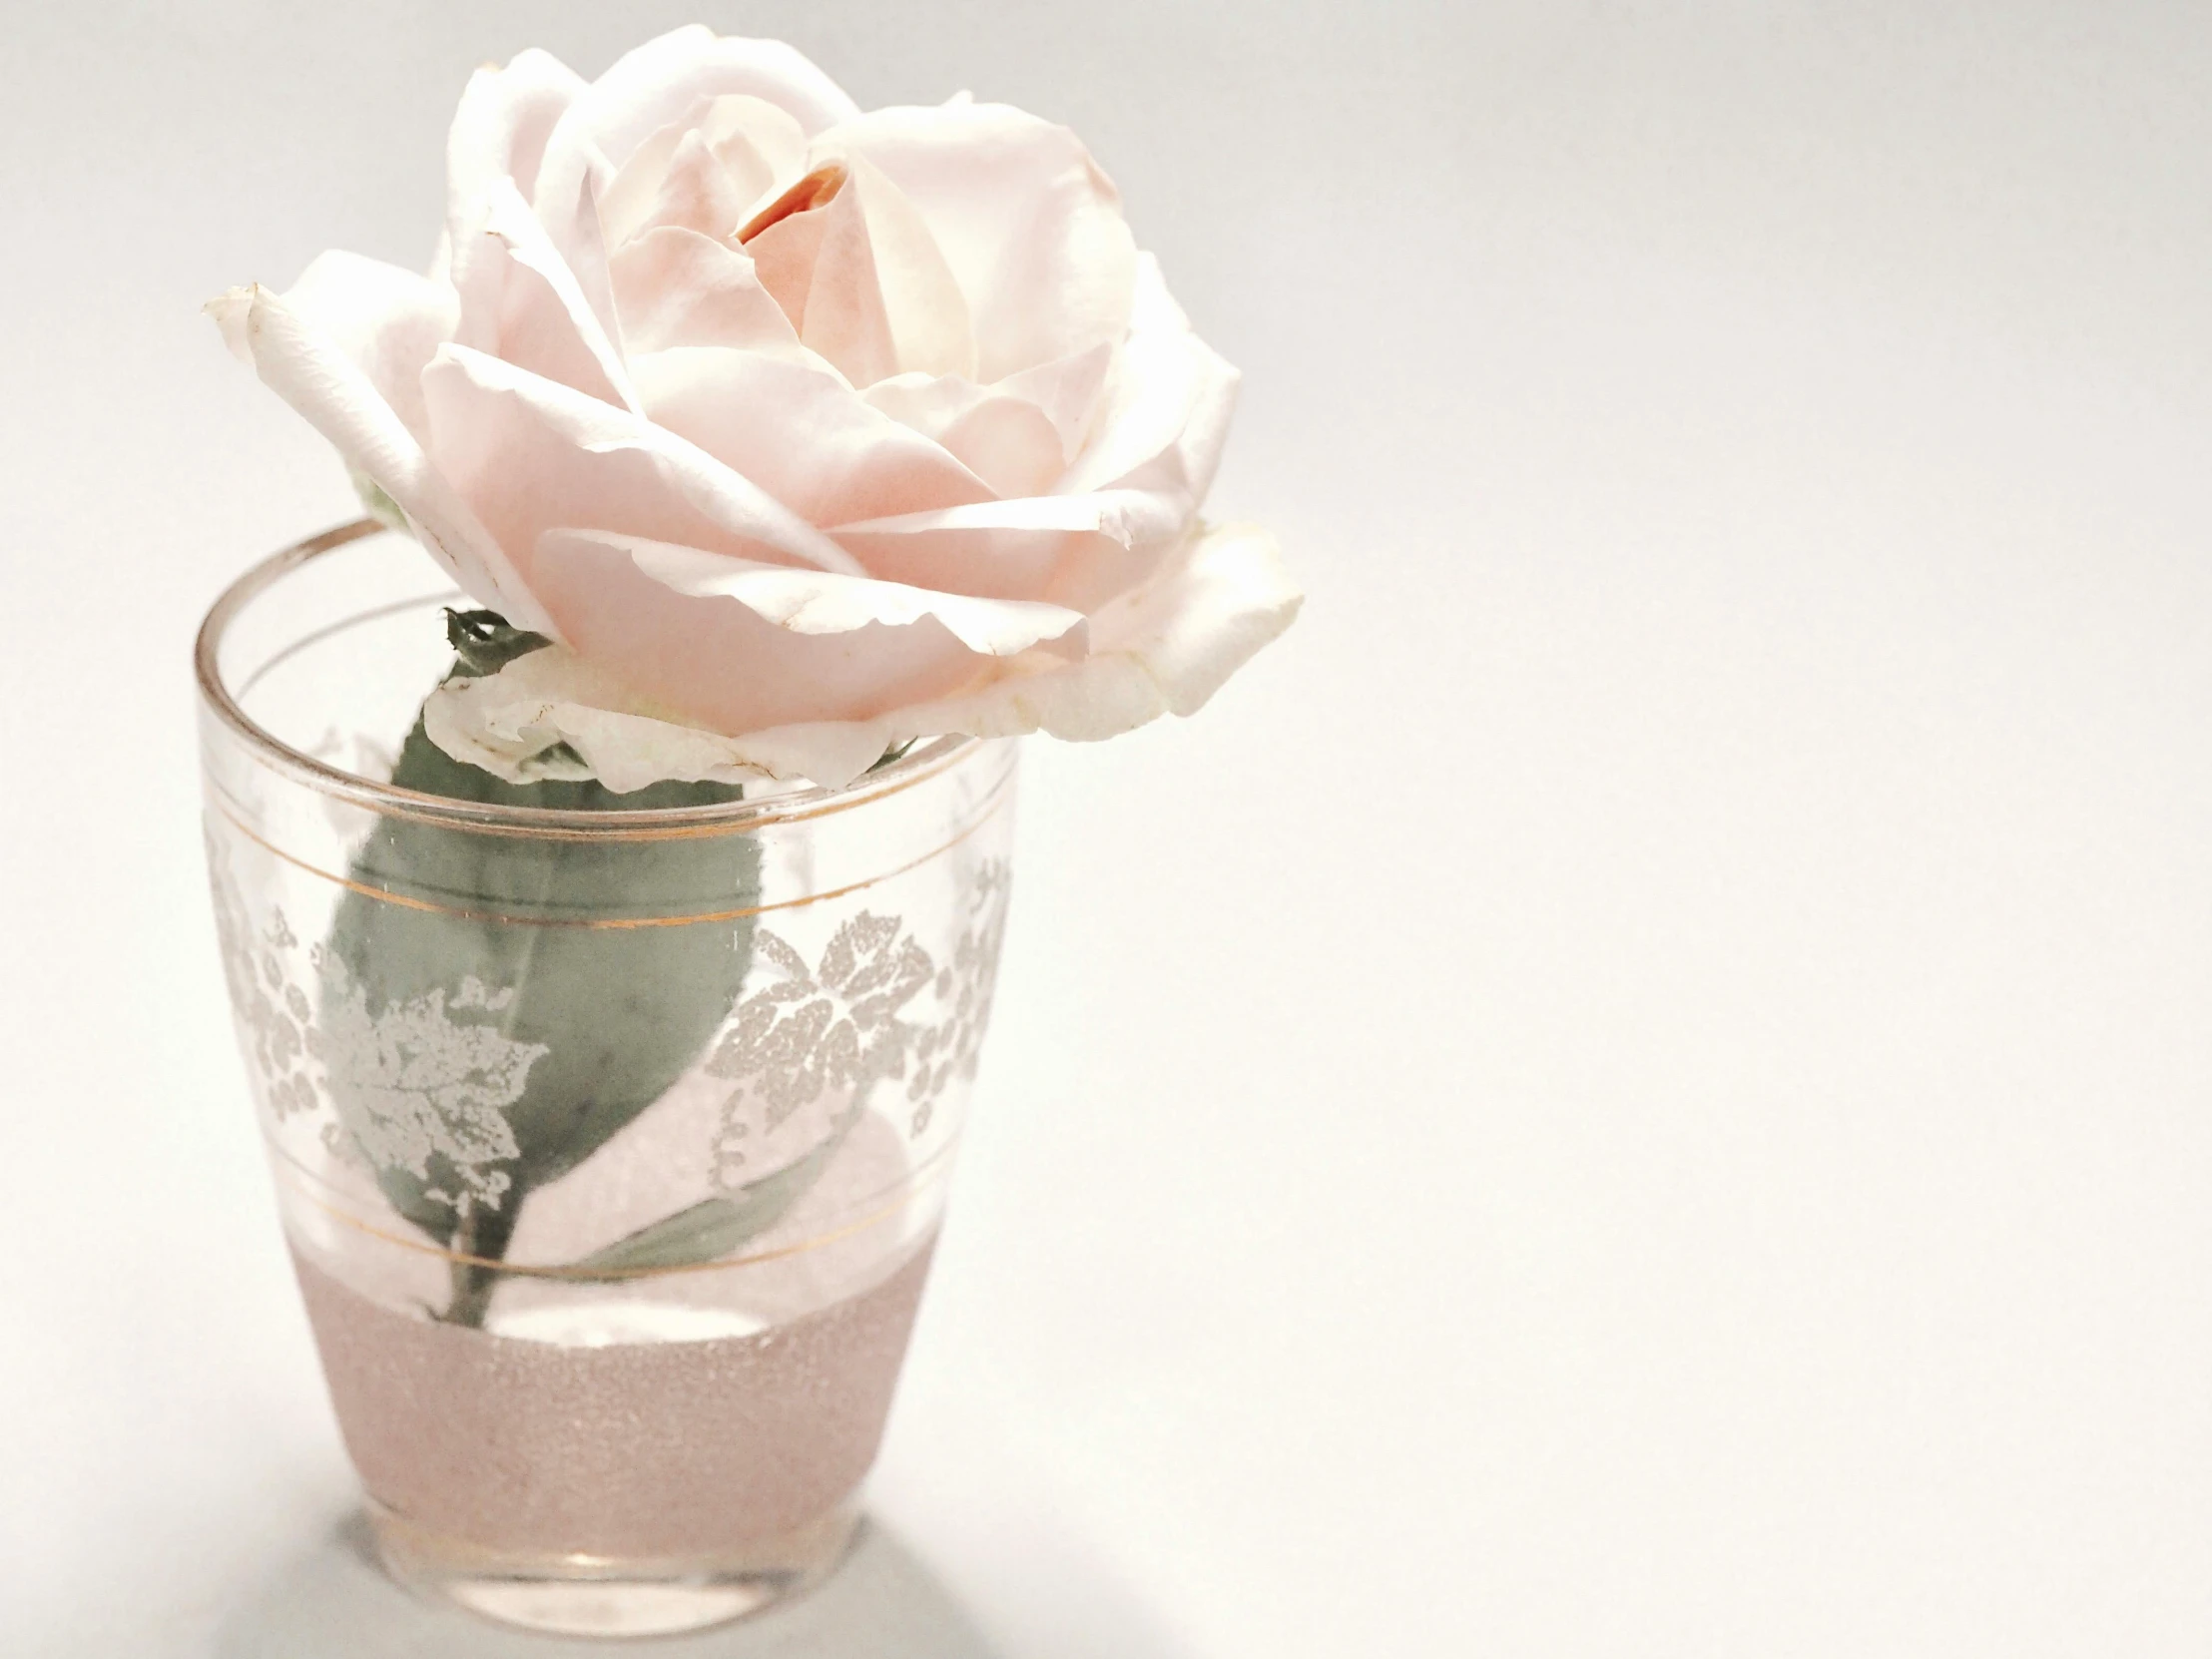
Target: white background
<point x="1638" y="1086"/>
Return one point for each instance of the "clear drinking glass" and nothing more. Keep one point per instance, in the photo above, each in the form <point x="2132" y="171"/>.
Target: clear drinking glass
<point x="610" y="1146"/>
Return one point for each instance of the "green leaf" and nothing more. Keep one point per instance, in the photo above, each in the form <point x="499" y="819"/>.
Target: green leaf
<point x="620" y="1013"/>
<point x="715" y="1227"/>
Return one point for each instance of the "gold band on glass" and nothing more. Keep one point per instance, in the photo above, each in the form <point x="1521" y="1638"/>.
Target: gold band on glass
<point x="991" y="803"/>
<point x="909" y="1187"/>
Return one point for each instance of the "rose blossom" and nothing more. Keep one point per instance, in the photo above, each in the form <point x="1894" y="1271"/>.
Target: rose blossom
<point x="803" y="431"/>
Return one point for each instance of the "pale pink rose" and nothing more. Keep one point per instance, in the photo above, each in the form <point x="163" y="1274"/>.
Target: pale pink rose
<point x="804" y="432"/>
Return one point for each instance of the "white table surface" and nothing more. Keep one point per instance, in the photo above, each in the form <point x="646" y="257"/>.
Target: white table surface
<point x="1639" y="1086"/>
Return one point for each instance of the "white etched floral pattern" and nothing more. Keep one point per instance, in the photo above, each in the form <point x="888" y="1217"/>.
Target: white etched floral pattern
<point x="811" y="1031"/>
<point x="422" y="1084"/>
<point x="273" y="1013"/>
<point x="842" y="1026"/>
<point x="954" y="1045"/>
<point x="432" y="1078"/>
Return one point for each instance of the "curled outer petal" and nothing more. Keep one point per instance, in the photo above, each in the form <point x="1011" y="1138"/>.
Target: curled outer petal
<point x="337" y="397"/>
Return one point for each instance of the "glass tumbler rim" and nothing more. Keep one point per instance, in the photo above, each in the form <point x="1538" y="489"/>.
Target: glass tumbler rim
<point x="925" y="759"/>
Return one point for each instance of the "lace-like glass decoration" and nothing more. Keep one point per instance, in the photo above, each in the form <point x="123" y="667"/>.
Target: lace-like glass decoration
<point x="951" y="1047"/>
<point x="424" y="1083"/>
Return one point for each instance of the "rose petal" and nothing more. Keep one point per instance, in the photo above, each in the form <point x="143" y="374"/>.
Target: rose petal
<point x="843" y="319"/>
<point x="521" y="301"/>
<point x="757" y="144"/>
<point x="762" y="144"/>
<point x="821" y="602"/>
<point x="676" y="288"/>
<point x="653" y="85"/>
<point x="1133" y="517"/>
<point x="1009" y="443"/>
<point x="1167" y="406"/>
<point x="883" y="300"/>
<point x="500" y="130"/>
<point x="1065" y="391"/>
<point x="1074" y="550"/>
<point x="515" y="725"/>
<point x="1203" y="618"/>
<point x="1031" y="228"/>
<point x="695" y="191"/>
<point x="650" y="85"/>
<point x="784" y="239"/>
<point x="1127" y="499"/>
<point x="738" y="647"/>
<point x="926" y="403"/>
<point x="1165" y="650"/>
<point x="1002" y="562"/>
<point x="389" y="321"/>
<point x="798" y="431"/>
<point x="530" y="455"/>
<point x="626" y="202"/>
<point x="317" y="378"/>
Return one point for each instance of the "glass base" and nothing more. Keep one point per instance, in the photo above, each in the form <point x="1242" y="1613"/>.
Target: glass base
<point x="591" y="1595"/>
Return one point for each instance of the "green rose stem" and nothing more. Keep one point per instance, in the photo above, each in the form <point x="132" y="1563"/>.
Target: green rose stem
<point x="587" y="1026"/>
<point x="483" y="1234"/>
